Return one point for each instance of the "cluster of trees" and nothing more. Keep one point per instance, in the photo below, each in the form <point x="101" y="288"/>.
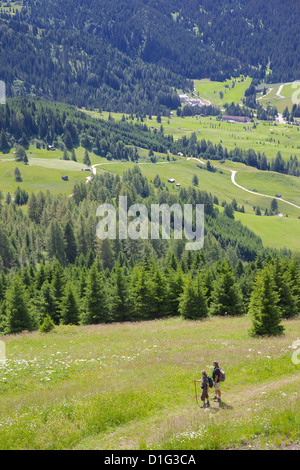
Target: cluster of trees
<point x="295" y="113"/>
<point x="45" y="123"/>
<point x="207" y="150"/>
<point x="268" y="289"/>
<point x="53" y="264"/>
<point x="263" y="114"/>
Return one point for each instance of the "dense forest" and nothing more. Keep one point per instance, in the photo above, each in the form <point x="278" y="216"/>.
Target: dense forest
<point x="54" y="266"/>
<point x="131" y="56"/>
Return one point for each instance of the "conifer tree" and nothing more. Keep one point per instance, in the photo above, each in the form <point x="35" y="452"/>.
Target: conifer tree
<point x="225" y="298"/>
<point x="70" y="243"/>
<point x="175" y="289"/>
<point x="192" y="302"/>
<point x="263" y="306"/>
<point x="17" y="311"/>
<point x="45" y="303"/>
<point x="69" y="306"/>
<point x="86" y="158"/>
<point x="141" y="295"/>
<point x="120" y="295"/>
<point x="95" y="307"/>
<point x="283" y="283"/>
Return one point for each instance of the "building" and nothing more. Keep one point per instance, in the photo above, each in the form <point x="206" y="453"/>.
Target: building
<point x="244" y="119"/>
<point x="171" y="180"/>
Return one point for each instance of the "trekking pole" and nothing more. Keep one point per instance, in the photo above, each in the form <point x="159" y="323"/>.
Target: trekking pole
<point x="196" y="391"/>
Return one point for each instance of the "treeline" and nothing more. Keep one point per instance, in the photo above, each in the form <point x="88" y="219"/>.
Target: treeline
<point x="192" y="147"/>
<point x="23" y="121"/>
<point x="88" y="294"/>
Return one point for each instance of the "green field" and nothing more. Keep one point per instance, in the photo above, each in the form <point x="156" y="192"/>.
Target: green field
<point x="43" y="172"/>
<point x="219" y="93"/>
<point x="271" y="184"/>
<point x="131" y="386"/>
<point x="276" y="232"/>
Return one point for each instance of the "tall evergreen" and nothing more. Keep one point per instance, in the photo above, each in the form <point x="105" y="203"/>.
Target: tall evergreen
<point x="17" y="310"/>
<point x="69" y="306"/>
<point x="95" y="307"/>
<point x="193" y="302"/>
<point x="225" y="298"/>
<point x="121" y="307"/>
<point x="263" y="307"/>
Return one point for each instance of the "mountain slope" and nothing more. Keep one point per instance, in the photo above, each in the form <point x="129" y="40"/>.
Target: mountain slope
<point x="131" y="56"/>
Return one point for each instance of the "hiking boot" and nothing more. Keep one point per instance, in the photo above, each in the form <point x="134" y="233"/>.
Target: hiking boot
<point x="215" y="398"/>
<point x="208" y="404"/>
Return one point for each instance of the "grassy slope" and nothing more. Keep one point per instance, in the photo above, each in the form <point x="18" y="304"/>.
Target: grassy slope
<point x="130" y="386"/>
<point x="211" y="90"/>
<point x="44" y="171"/>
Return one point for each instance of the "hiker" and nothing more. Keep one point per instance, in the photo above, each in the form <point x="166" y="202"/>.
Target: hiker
<point x="205" y="388"/>
<point x="216" y="381"/>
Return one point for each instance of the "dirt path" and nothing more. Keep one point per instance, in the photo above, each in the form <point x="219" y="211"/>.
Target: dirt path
<point x="238" y="404"/>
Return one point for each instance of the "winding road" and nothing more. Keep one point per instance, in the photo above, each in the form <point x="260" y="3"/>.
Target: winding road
<point x="233" y="175"/>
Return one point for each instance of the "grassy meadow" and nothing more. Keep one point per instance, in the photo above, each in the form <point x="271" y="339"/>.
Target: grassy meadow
<point x="44" y="171"/>
<point x="219" y="93"/>
<point x="131" y="386"/>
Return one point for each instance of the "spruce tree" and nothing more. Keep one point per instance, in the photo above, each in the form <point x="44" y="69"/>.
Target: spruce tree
<point x="45" y="303"/>
<point x="17" y="311"/>
<point x="263" y="306"/>
<point x="141" y="295"/>
<point x="175" y="289"/>
<point x="283" y="282"/>
<point x="70" y="243"/>
<point x="4" y="145"/>
<point x="95" y="307"/>
<point x="120" y="293"/>
<point x="86" y="158"/>
<point x="225" y="298"/>
<point x="192" y="303"/>
<point x="69" y="306"/>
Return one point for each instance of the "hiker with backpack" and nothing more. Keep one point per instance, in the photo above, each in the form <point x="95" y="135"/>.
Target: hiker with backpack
<point x="205" y="388"/>
<point x="218" y="376"/>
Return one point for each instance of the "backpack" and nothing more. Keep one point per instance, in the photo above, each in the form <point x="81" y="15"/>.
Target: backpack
<point x="222" y="376"/>
<point x="210" y="381"/>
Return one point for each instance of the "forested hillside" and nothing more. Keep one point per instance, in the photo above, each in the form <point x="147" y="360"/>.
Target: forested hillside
<point x="55" y="265"/>
<point x="131" y="56"/>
